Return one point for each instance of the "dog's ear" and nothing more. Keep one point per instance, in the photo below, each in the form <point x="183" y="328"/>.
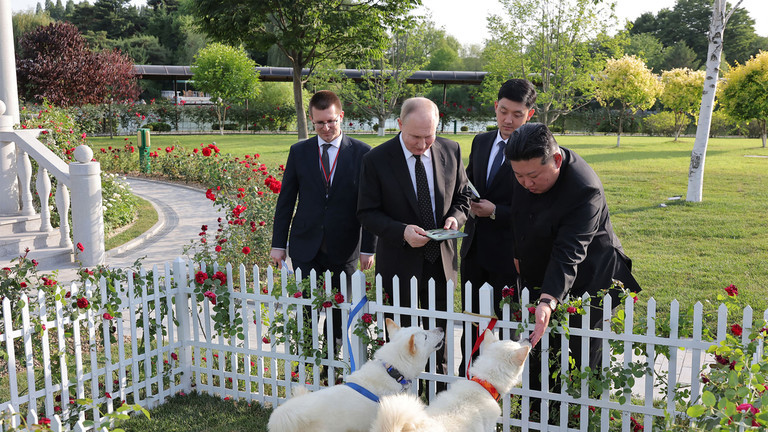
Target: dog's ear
<point x="412" y="345"/>
<point x="521" y="353"/>
<point x="392" y="327"/>
<point x="488" y="338"/>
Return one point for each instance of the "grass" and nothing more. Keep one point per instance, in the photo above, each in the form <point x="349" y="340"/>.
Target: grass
<point x="201" y="413"/>
<point x="146" y="217"/>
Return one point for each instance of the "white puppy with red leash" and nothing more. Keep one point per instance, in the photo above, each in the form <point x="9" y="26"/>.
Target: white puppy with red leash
<point x="352" y="406"/>
<point x="469" y="405"/>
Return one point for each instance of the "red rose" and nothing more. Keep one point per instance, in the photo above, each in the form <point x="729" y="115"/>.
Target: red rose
<point x="211" y="295"/>
<point x="174" y="356"/>
<point x="246" y="250"/>
<point x="298" y="294"/>
<point x="531" y="310"/>
<point x="57" y="409"/>
<point x="736" y="330"/>
<point x="339" y="297"/>
<point x="107" y="316"/>
<point x="218" y="248"/>
<point x="23" y="284"/>
<point x="506" y="292"/>
<point x="265" y="340"/>
<point x="68" y="294"/>
<point x="367" y="318"/>
<point x="82" y="303"/>
<point x="571" y="309"/>
<point x="327" y="304"/>
<point x="732" y="290"/>
<point x="80" y="247"/>
<point x="210" y="195"/>
<point x="206" y="151"/>
<point x="221" y="276"/>
<point x="44" y="421"/>
<point x="201" y="277"/>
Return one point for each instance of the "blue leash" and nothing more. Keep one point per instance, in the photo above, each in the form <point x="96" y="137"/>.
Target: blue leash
<point x="352" y="315"/>
<point x="363" y="391"/>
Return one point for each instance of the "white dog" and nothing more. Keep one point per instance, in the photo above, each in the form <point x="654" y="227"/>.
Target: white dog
<point x="470" y="405"/>
<point x="343" y="408"/>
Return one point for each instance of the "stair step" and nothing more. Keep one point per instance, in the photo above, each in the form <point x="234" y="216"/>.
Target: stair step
<point x="52" y="258"/>
<point x="18" y="224"/>
<point x="16" y="243"/>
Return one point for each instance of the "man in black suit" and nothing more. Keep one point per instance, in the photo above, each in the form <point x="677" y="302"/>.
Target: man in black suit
<point x="323" y="174"/>
<point x="564" y="240"/>
<point x="409" y="184"/>
<point x="486" y="253"/>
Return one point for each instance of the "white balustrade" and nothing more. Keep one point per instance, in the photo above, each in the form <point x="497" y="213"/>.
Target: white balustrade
<point x="24" y="167"/>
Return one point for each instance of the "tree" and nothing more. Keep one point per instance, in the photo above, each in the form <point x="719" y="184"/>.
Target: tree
<point x="720" y="17"/>
<point x="681" y="95"/>
<point x="227" y="75"/>
<point x="546" y="41"/>
<point x="25" y="22"/>
<point x="628" y="82"/>
<point x="744" y="92"/>
<point x="688" y="22"/>
<point x="680" y="56"/>
<point x="647" y="47"/>
<point x="384" y="81"/>
<point x="308" y="32"/>
<point x="55" y="64"/>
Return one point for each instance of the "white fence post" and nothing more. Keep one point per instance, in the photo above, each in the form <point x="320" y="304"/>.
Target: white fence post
<point x="87" y="215"/>
<point x="358" y="293"/>
<point x="183" y="316"/>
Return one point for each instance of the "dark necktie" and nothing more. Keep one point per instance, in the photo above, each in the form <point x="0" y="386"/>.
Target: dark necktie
<point x="326" y="166"/>
<point x="496" y="164"/>
<point x="431" y="249"/>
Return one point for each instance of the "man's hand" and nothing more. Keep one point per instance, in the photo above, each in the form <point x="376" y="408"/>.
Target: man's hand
<point x="277" y="256"/>
<point x="415" y="236"/>
<point x="451" y="223"/>
<point x="482" y="208"/>
<point x="366" y="261"/>
<point x="543" y="314"/>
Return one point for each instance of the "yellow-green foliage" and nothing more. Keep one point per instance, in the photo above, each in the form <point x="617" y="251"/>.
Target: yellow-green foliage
<point x="744" y="92"/>
<point x="682" y="90"/>
<point x="628" y="81"/>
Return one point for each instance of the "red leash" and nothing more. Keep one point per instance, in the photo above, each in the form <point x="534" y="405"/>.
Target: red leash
<point x="479" y="341"/>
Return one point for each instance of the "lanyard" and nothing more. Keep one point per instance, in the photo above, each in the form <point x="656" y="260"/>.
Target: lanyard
<point x="333" y="167"/>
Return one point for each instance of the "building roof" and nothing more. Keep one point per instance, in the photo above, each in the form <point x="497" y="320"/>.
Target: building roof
<point x="285" y="74"/>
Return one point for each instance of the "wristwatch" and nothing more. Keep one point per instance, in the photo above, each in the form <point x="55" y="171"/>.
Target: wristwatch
<point x="549" y="302"/>
<point x="493" y="214"/>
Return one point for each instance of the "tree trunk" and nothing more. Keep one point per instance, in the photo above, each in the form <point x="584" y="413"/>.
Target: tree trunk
<point x="298" y="100"/>
<point x="763" y="123"/>
<point x="382" y="121"/>
<point x="621" y="121"/>
<point x="678" y="125"/>
<point x="698" y="155"/>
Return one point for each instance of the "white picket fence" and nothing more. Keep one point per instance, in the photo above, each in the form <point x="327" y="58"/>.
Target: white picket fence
<point x="165" y="343"/>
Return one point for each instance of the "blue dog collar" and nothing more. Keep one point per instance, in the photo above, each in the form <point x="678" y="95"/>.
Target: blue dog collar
<point x="397" y="375"/>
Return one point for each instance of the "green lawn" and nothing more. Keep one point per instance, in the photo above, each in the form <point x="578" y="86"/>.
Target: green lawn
<point x="685" y="251"/>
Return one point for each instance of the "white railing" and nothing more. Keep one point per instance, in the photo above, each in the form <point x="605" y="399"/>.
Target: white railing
<point x="82" y="177"/>
<point x="165" y="342"/>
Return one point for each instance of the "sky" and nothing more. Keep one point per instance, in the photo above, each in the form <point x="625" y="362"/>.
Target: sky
<point x="468" y="24"/>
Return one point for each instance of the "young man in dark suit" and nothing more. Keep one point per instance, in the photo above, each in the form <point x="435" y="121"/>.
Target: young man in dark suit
<point x="322" y="173"/>
<point x="410" y="184"/>
<point x="564" y="240"/>
<point x="486" y="252"/>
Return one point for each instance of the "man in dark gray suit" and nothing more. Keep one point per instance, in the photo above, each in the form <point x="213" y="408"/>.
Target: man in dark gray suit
<point x="409" y="184"/>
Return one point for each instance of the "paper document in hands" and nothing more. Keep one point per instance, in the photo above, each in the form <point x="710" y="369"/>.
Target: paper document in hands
<point x="444" y="234"/>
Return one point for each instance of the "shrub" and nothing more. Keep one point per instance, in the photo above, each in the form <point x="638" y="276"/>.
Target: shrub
<point x="464" y="128"/>
<point x="491" y="127"/>
<point x="159" y="127"/>
<point x="661" y="124"/>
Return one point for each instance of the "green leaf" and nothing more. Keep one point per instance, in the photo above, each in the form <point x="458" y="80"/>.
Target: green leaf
<point x="709" y="399"/>
<point x="696" y="411"/>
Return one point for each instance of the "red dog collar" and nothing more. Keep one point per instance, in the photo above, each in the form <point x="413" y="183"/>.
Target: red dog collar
<point x="488" y="386"/>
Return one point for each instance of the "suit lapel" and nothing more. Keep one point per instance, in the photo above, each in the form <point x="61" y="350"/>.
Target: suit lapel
<point x="400" y="171"/>
<point x="438" y="170"/>
<point x="481" y="173"/>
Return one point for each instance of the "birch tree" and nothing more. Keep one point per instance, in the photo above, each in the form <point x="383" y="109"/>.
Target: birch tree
<point x="720" y="17"/>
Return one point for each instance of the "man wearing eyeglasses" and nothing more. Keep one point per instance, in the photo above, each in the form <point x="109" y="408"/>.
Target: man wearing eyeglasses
<point x="322" y="174"/>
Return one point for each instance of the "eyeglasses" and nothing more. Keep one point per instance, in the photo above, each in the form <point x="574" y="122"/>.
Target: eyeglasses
<point x="330" y="123"/>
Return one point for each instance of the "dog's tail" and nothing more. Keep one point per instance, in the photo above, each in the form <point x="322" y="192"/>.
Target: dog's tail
<point x="400" y="413"/>
<point x="283" y="419"/>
